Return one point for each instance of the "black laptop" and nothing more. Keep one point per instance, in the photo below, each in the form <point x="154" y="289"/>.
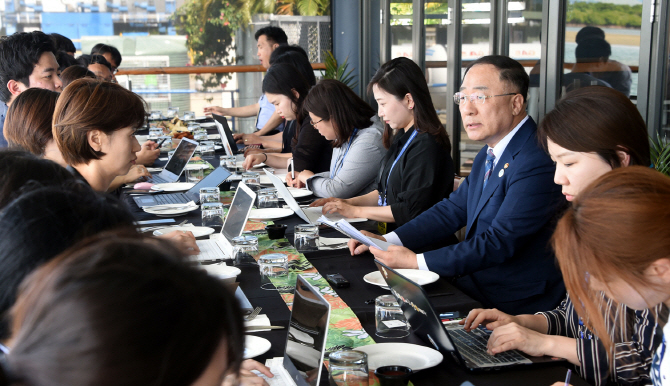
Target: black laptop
<point x="469" y="348"/>
<point x="213" y="180"/>
<point x="227" y="136"/>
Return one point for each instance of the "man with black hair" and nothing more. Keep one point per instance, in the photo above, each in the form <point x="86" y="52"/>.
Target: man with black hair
<point x="101" y="68"/>
<point x="268" y="39"/>
<point x="27" y="59"/>
<point x="62" y="43"/>
<point x="110" y="53"/>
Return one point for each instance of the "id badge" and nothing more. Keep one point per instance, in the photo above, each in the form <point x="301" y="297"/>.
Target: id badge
<point x="382" y="227"/>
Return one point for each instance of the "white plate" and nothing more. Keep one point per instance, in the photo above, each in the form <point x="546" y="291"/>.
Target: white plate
<point x="196" y="166"/>
<point x="255" y="346"/>
<point x="240" y="164"/>
<point x="170" y="212"/>
<point x="416" y="275"/>
<point x="297" y="193"/>
<point x="216" y="147"/>
<point x="207" y="124"/>
<point x="265" y="180"/>
<point x="222" y="271"/>
<point x="401" y="354"/>
<point x="173" y="186"/>
<point x="197" y="231"/>
<point x="269" y="213"/>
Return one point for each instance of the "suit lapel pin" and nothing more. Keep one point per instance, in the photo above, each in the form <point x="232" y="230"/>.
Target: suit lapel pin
<point x="506" y="166"/>
<point x="501" y="172"/>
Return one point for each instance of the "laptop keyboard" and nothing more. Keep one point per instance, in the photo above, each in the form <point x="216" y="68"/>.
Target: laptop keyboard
<point x="472" y="346"/>
<point x="276" y="366"/>
<point x="156" y="179"/>
<point x="209" y="251"/>
<point x="175" y="198"/>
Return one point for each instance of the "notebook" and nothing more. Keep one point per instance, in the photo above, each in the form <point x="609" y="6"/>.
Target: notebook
<point x="229" y="143"/>
<point x="221" y="247"/>
<point x="176" y="165"/>
<point x="305" y="339"/>
<point x="311" y="215"/>
<point x="469" y="348"/>
<point x="213" y="180"/>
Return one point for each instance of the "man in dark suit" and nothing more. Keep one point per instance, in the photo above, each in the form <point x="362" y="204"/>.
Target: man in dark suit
<point x="509" y="203"/>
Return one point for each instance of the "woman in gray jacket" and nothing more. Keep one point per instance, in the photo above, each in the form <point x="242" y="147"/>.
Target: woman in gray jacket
<point x="356" y="134"/>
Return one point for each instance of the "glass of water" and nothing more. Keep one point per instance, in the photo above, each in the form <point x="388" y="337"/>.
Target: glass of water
<point x="389" y="318"/>
<point x="207" y="150"/>
<point x="210" y="195"/>
<point x="212" y="214"/>
<point x="195" y="175"/>
<point x="156" y="114"/>
<point x="348" y="367"/>
<point x="272" y="265"/>
<point x="229" y="162"/>
<point x="244" y="250"/>
<point x="189" y="115"/>
<point x="268" y="198"/>
<point x="252" y="180"/>
<point x="172" y="112"/>
<point x="155" y="133"/>
<point x="306" y="237"/>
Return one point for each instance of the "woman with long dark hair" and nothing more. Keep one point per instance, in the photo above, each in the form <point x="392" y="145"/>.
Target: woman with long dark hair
<point x="286" y="88"/>
<point x="417" y="170"/>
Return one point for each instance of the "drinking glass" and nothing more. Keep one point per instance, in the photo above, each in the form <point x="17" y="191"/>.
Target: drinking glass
<point x="268" y="198"/>
<point x="155" y="133"/>
<point x="229" y="162"/>
<point x="207" y="150"/>
<point x="272" y="265"/>
<point x="244" y="250"/>
<point x="212" y="214"/>
<point x="156" y="115"/>
<point x="389" y="318"/>
<point x="306" y="237"/>
<point x="210" y="195"/>
<point x="195" y="175"/>
<point x="199" y="134"/>
<point x="348" y="367"/>
<point x="188" y="115"/>
<point x="252" y="180"/>
<point x="172" y="112"/>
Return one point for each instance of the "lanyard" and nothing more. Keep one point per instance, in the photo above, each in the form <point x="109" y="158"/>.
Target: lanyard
<point x="337" y="168"/>
<point x="386" y="188"/>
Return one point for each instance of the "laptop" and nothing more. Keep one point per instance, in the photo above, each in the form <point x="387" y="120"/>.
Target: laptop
<point x="305" y="339"/>
<point x="229" y="143"/>
<point x="310" y="214"/>
<point x="468" y="348"/>
<point x="213" y="180"/>
<point x="220" y="247"/>
<point x="176" y="165"/>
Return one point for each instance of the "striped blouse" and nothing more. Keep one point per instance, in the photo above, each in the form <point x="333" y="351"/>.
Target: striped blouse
<point x="634" y="345"/>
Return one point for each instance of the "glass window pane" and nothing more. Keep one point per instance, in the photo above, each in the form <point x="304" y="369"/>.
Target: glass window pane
<point x="602" y="45"/>
<point x="436" y="21"/>
<point x="401" y="29"/>
<point x="475" y="44"/>
<point x="665" y="110"/>
<point x="525" y="28"/>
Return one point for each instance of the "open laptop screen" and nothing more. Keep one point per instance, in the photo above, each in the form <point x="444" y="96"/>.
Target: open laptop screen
<point x="307" y="333"/>
<point x="239" y="211"/>
<point x="226" y="135"/>
<point x="213" y="180"/>
<point x="181" y="156"/>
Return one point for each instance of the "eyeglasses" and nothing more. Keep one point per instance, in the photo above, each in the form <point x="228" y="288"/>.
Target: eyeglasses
<point x="311" y="122"/>
<point x="477" y="97"/>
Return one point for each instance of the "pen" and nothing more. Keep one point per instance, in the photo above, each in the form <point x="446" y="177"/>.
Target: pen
<point x="292" y="170"/>
<point x="567" y="377"/>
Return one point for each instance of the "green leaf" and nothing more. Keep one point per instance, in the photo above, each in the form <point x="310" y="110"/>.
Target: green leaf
<point x="338" y="72"/>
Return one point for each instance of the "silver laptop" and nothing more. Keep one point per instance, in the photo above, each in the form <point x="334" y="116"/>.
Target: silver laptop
<point x="176" y="165"/>
<point x="305" y="340"/>
<point x="220" y="247"/>
<point x="311" y="214"/>
<point x="227" y="138"/>
<point x="469" y="348"/>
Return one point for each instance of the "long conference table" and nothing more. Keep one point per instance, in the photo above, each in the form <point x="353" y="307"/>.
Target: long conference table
<point x="444" y="297"/>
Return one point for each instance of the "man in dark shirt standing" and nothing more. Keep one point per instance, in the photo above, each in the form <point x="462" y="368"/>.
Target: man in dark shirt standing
<point x="27" y="59"/>
<point x="508" y="203"/>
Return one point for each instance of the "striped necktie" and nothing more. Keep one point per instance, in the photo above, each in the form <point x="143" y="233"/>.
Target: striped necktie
<point x="490" y="157"/>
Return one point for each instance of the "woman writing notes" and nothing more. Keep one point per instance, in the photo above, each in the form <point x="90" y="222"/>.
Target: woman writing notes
<point x="591" y="131"/>
<point x="417" y="170"/>
<point x="345" y="119"/>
